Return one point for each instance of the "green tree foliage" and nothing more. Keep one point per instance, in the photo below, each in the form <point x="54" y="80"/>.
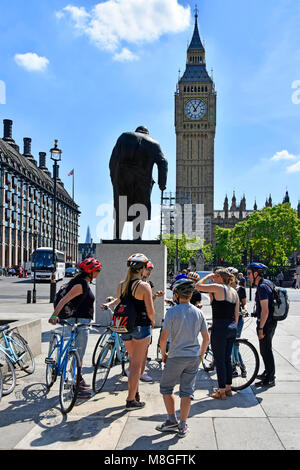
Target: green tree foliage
<point x="273" y="233"/>
<point x="187" y="247"/>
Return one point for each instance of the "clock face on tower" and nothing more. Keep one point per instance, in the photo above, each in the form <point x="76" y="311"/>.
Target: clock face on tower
<point x="195" y="109"/>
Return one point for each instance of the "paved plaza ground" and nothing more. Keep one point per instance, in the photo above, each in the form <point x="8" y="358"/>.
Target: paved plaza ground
<point x="261" y="419"/>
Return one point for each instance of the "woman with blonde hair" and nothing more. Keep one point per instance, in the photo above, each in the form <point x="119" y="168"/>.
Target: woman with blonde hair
<point x="138" y="340"/>
<point x="225" y="315"/>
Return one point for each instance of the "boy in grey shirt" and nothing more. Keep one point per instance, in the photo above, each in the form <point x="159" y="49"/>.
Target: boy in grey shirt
<point x="184" y="322"/>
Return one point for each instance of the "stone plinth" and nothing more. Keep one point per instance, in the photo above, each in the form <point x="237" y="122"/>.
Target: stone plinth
<point x="113" y="256"/>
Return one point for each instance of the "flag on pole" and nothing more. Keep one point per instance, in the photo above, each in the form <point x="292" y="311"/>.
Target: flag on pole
<point x="72" y="174"/>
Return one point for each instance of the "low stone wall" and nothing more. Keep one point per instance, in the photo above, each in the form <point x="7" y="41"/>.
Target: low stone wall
<point x="31" y="330"/>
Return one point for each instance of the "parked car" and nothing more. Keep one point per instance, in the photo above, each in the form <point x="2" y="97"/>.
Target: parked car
<point x="71" y="272"/>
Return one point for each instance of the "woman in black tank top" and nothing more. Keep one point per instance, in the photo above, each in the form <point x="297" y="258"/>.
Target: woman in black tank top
<point x="137" y="342"/>
<point x="80" y="296"/>
<point x="225" y="315"/>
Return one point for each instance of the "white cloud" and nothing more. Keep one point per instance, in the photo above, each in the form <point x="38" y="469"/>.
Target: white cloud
<point x="294" y="168"/>
<point x="125" y="56"/>
<point x="283" y="155"/>
<point x="111" y="23"/>
<point x="32" y="62"/>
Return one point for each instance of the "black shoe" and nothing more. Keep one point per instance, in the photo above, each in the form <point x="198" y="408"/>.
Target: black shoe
<point x="234" y="373"/>
<point x="137" y="397"/>
<point x="261" y="376"/>
<point x="265" y="383"/>
<point x="244" y="372"/>
<point x="134" y="405"/>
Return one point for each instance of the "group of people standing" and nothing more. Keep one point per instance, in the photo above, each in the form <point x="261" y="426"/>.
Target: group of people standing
<point x="182" y="325"/>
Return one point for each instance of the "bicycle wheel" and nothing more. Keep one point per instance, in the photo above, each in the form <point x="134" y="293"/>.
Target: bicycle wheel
<point x="22" y="351"/>
<point x="102" y="368"/>
<point x="158" y="351"/>
<point x="208" y="360"/>
<point x="102" y="340"/>
<point x="246" y="366"/>
<point x="69" y="381"/>
<point x="8" y="375"/>
<point x="52" y="361"/>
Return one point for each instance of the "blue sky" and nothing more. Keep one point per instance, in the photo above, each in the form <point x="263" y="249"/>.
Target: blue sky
<point x="86" y="71"/>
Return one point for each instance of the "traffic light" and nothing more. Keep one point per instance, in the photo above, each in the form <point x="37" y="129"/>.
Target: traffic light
<point x="298" y="261"/>
<point x="222" y="261"/>
<point x="244" y="257"/>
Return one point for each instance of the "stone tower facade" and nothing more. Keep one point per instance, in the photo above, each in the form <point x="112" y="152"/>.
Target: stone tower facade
<point x="195" y="125"/>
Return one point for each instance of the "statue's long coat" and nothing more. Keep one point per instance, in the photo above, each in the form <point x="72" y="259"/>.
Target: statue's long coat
<point x="131" y="166"/>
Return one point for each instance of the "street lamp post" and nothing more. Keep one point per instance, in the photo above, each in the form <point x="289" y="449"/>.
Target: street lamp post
<point x="56" y="157"/>
<point x="34" y="273"/>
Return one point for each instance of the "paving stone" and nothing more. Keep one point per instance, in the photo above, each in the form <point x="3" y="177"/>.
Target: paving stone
<point x="280" y="405"/>
<point x="246" y="434"/>
<point x="288" y="430"/>
<point x="91" y="432"/>
<point x="140" y="433"/>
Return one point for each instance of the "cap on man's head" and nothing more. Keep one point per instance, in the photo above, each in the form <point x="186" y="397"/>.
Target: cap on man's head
<point x="142" y="130"/>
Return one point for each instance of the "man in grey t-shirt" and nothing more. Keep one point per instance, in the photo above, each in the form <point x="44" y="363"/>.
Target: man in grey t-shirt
<point x="183" y="322"/>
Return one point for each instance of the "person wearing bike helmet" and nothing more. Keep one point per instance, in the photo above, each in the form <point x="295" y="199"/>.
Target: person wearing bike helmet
<point x="266" y="325"/>
<point x="236" y="356"/>
<point x="196" y="297"/>
<point x="183" y="322"/>
<point x="82" y="299"/>
<point x="138" y="340"/>
<point x="225" y="315"/>
<point x="145" y="377"/>
<point x="148" y="272"/>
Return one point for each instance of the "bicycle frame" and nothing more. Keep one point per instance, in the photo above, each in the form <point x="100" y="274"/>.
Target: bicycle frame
<point x="118" y="345"/>
<point x="62" y="350"/>
<point x="8" y="351"/>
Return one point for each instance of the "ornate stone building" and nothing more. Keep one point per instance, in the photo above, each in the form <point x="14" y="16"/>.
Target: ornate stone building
<point x="26" y="205"/>
<point x="195" y="125"/>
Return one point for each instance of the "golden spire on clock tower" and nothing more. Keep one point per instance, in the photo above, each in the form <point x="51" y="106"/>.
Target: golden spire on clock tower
<point x="195" y="124"/>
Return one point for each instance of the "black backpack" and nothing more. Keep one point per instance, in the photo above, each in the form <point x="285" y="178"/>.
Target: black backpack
<point x="281" y="303"/>
<point x="68" y="310"/>
<point x="124" y="316"/>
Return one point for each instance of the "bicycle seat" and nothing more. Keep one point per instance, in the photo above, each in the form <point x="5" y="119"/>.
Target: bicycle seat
<point x="4" y="327"/>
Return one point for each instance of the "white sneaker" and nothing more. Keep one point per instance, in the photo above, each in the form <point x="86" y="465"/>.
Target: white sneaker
<point x="145" y="377"/>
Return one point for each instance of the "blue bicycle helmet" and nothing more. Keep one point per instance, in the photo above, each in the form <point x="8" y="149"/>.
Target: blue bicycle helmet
<point x="180" y="276"/>
<point x="257" y="266"/>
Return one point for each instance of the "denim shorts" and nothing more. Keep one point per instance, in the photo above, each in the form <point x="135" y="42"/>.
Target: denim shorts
<point x="139" y="332"/>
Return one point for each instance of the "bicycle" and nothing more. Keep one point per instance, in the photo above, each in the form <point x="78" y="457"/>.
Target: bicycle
<point x="63" y="360"/>
<point x="103" y="338"/>
<point x="245" y="363"/>
<point x="14" y="352"/>
<point x="113" y="353"/>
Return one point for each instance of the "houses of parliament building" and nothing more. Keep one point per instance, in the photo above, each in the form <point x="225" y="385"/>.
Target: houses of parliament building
<point x="195" y="126"/>
<point x="27" y="205"/>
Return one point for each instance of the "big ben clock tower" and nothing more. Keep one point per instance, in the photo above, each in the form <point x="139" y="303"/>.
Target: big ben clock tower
<point x="195" y="125"/>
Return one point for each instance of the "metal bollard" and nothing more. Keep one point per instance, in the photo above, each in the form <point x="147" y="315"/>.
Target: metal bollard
<point x="29" y="296"/>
